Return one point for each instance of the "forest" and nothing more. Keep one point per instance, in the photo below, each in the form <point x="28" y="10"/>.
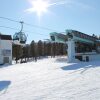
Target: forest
<point x="37" y="50"/>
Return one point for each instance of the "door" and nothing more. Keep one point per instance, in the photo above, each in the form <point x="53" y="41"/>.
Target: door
<point x="6" y="59"/>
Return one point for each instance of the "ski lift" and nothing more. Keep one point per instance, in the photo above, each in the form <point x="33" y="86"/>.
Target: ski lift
<point x="20" y="37"/>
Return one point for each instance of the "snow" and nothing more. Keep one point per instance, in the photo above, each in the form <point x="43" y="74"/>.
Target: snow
<point x="50" y="79"/>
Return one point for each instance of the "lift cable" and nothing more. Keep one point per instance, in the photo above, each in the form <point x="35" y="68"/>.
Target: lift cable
<point x="36" y="26"/>
<point x="24" y="30"/>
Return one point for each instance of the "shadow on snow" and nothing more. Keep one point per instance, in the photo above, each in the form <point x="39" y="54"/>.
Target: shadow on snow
<point x="5" y="65"/>
<point x="4" y="86"/>
<point x="81" y="65"/>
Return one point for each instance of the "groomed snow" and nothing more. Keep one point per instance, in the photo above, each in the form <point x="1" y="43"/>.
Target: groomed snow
<point x="50" y="79"/>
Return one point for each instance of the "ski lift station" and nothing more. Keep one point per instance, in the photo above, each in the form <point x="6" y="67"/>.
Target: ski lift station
<point x="5" y="49"/>
<point x="80" y="46"/>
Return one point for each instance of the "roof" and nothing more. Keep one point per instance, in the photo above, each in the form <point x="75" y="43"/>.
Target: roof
<point x="59" y="35"/>
<point x="62" y="36"/>
<point x="81" y="35"/>
<point x="76" y="35"/>
<point x="5" y="37"/>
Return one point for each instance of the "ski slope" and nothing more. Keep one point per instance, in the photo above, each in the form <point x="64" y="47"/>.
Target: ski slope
<point x="50" y="79"/>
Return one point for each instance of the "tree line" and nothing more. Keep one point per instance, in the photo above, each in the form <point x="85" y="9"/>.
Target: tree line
<point x="37" y="50"/>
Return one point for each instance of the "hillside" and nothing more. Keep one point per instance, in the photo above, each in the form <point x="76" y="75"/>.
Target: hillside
<point x="50" y="79"/>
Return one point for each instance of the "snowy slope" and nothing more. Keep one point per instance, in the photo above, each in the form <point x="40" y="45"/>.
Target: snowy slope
<point x="50" y="79"/>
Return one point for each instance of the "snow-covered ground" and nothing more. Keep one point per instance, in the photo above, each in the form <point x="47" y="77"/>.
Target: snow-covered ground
<point x="50" y="79"/>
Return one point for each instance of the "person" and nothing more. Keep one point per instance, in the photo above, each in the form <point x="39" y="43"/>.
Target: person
<point x="35" y="58"/>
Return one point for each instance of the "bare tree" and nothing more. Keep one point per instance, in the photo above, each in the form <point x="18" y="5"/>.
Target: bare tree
<point x="17" y="52"/>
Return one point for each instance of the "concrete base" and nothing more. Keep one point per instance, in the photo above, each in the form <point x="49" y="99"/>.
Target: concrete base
<point x="71" y="50"/>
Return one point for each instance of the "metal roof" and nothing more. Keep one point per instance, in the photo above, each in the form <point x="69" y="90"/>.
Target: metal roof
<point x="59" y="36"/>
<point x="76" y="35"/>
<point x="81" y="35"/>
<point x="5" y="37"/>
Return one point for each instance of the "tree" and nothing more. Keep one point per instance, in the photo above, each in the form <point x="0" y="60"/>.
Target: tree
<point x="17" y="52"/>
<point x="53" y="49"/>
<point x="26" y="53"/>
<point x="32" y="49"/>
<point x="40" y="48"/>
<point x="48" y="49"/>
<point x="94" y="35"/>
<point x="44" y="49"/>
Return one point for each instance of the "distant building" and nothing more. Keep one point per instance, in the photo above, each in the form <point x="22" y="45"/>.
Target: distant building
<point x="5" y="49"/>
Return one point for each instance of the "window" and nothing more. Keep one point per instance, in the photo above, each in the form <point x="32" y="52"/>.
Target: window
<point x="52" y="38"/>
<point x="6" y="52"/>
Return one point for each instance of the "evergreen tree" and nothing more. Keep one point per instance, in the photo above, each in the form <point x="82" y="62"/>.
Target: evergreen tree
<point x="40" y="48"/>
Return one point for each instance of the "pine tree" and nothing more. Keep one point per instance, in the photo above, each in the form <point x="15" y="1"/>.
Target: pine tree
<point x="32" y="49"/>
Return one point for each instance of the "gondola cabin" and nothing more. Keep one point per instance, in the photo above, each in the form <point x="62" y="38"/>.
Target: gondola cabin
<point x="19" y="38"/>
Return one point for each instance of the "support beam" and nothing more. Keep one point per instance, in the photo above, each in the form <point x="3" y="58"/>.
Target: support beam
<point x="71" y="50"/>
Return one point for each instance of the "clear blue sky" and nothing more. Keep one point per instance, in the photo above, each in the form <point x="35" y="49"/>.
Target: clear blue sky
<point x="81" y="15"/>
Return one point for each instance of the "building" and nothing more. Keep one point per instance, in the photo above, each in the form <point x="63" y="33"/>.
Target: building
<point x="5" y="49"/>
<point x="58" y="37"/>
<point x="80" y="45"/>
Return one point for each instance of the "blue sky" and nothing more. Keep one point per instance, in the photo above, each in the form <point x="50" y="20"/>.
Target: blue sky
<point x="81" y="15"/>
